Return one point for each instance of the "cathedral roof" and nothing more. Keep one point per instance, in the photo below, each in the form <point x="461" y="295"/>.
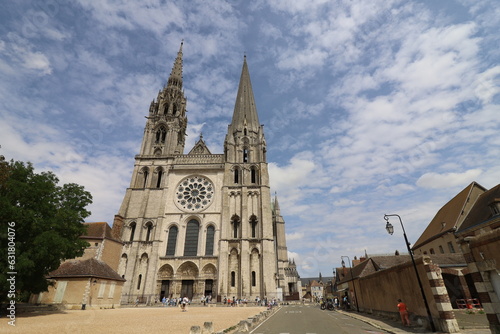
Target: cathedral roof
<point x="200" y="147"/>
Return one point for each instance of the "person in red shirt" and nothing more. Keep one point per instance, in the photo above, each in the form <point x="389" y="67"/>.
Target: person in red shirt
<point x="403" y="312"/>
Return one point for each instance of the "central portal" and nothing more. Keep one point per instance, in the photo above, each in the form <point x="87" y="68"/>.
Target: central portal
<point x="187" y="289"/>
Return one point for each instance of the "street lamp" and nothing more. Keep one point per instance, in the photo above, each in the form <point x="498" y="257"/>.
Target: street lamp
<point x="390" y="230"/>
<point x="334" y="280"/>
<point x="352" y="279"/>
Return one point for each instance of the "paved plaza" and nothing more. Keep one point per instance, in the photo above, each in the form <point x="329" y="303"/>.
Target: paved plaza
<point x="169" y="320"/>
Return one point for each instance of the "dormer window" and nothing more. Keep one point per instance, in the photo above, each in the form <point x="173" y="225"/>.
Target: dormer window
<point x="495" y="207"/>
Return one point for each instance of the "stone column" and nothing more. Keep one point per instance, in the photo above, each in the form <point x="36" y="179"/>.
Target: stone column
<point x="447" y="321"/>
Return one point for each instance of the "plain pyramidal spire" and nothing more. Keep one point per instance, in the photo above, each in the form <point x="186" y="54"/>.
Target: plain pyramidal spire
<point x="245" y="111"/>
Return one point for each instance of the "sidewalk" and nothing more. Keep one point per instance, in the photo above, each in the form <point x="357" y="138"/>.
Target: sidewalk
<point x="469" y="324"/>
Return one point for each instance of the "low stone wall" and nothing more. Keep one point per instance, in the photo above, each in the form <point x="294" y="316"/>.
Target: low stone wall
<point x="244" y="326"/>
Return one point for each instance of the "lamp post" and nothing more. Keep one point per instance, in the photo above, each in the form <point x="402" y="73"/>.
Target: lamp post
<point x="333" y="282"/>
<point x="352" y="279"/>
<point x="390" y="230"/>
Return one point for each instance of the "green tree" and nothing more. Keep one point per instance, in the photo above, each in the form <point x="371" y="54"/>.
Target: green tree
<point x="47" y="222"/>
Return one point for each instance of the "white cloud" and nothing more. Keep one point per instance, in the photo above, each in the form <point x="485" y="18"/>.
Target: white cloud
<point x="19" y="51"/>
<point x="446" y="180"/>
<point x="347" y="202"/>
<point x="37" y="61"/>
<point x="391" y="106"/>
<point x="298" y="173"/>
<point x="294" y="236"/>
<point x="487" y="84"/>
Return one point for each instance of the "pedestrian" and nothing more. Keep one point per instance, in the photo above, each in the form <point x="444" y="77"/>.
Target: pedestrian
<point x="403" y="312"/>
<point x="137" y="302"/>
<point x="184" y="301"/>
<point x="345" y="303"/>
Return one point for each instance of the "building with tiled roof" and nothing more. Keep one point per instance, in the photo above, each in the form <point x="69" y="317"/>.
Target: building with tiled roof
<point x="439" y="237"/>
<point x="103" y="245"/>
<point x="479" y="239"/>
<point x="85" y="268"/>
<point x="315" y="288"/>
<point x="89" y="281"/>
<point x="452" y="269"/>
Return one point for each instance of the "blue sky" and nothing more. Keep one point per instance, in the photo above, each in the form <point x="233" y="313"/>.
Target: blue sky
<point x="369" y="107"/>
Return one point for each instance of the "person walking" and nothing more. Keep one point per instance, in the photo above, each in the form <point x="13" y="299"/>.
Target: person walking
<point x="403" y="312"/>
<point x="184" y="303"/>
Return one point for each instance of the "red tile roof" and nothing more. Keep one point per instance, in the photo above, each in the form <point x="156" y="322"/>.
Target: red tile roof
<point x="85" y="268"/>
<point x="377" y="263"/>
<point x="481" y="211"/>
<point x="448" y="218"/>
<point x="98" y="230"/>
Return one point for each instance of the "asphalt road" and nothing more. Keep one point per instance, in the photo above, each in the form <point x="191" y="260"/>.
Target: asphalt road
<point x="309" y="319"/>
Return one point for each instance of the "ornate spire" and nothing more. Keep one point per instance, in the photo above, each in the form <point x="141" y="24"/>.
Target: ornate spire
<point x="166" y="127"/>
<point x="175" y="78"/>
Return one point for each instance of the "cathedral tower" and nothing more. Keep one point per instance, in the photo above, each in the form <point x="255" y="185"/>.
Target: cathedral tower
<point x="200" y="223"/>
<point x="248" y="238"/>
<point x="165" y="129"/>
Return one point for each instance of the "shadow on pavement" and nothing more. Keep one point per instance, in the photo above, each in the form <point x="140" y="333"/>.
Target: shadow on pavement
<point x="468" y="323"/>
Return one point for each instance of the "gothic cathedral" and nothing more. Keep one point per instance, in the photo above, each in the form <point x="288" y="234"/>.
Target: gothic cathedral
<point x="201" y="224"/>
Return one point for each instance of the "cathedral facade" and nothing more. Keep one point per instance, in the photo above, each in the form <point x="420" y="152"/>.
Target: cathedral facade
<point x="202" y="224"/>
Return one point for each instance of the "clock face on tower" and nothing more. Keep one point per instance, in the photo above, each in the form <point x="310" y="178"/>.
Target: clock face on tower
<point x="194" y="193"/>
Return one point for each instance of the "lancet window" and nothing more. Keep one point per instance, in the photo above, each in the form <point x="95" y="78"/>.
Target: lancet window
<point x="191" y="242"/>
<point x="172" y="240"/>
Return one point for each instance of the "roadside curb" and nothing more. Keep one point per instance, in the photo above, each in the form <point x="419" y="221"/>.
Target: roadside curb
<point x="368" y="321"/>
<point x="395" y="330"/>
<point x="383" y="325"/>
<point x="244" y="326"/>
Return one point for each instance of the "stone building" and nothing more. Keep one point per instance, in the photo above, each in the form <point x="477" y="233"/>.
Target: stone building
<point x="439" y="236"/>
<point x="91" y="280"/>
<point x="479" y="239"/>
<point x="200" y="223"/>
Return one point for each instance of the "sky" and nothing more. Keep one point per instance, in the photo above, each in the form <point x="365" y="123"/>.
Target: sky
<point x="369" y="107"/>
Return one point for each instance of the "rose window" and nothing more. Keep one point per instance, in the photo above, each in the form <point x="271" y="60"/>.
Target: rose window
<point x="194" y="193"/>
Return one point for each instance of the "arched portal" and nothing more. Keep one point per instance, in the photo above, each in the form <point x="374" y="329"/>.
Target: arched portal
<point x="208" y="279"/>
<point x="165" y="276"/>
<point x="188" y="272"/>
